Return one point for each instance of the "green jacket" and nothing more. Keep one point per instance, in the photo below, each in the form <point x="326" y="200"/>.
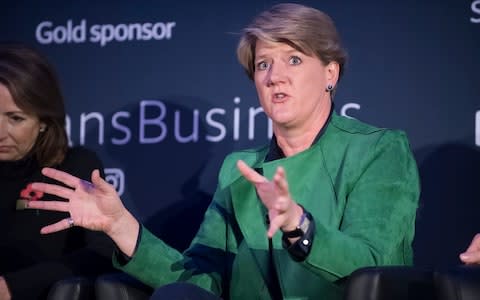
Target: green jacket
<point x="359" y="182"/>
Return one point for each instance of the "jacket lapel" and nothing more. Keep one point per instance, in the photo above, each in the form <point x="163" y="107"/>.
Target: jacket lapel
<point x="250" y="214"/>
<point x="251" y="217"/>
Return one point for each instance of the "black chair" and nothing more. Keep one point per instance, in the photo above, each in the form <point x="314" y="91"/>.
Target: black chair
<point x="121" y="286"/>
<point x="458" y="283"/>
<point x="369" y="283"/>
<point x="118" y="286"/>
<point x="74" y="288"/>
<point x="390" y="283"/>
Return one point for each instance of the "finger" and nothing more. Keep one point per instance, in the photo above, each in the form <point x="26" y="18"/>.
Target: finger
<point x="267" y="193"/>
<point x="55" y="227"/>
<point x="249" y="173"/>
<point x="266" y="188"/>
<point x="48" y="205"/>
<point x="470" y="257"/>
<point x="61" y="176"/>
<point x="274" y="226"/>
<point x="281" y="181"/>
<point x="52" y="189"/>
<point x="99" y="183"/>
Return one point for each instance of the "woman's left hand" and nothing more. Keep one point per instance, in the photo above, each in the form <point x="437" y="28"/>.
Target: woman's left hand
<point x="283" y="212"/>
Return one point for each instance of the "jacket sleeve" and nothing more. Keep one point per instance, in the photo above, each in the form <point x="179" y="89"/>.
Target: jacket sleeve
<point x="207" y="261"/>
<point x="378" y="221"/>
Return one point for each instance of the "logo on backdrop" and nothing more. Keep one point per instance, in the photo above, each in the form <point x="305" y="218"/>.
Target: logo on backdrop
<point x="49" y="33"/>
<point x="476" y="11"/>
<point x="477" y="128"/>
<point x="154" y="122"/>
<point x="115" y="177"/>
<point x="349" y="106"/>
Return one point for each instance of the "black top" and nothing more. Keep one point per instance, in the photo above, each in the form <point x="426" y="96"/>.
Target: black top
<point x="32" y="262"/>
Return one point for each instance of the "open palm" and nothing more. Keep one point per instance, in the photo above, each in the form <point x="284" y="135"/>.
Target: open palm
<point x="94" y="205"/>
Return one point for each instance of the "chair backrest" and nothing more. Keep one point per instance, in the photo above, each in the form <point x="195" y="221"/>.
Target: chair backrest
<point x="120" y="286"/>
<point x="390" y="283"/>
<point x="459" y="283"/>
<point x="74" y="288"/>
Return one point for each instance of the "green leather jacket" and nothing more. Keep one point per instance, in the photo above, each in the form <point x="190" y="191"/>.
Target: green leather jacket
<point x="359" y="182"/>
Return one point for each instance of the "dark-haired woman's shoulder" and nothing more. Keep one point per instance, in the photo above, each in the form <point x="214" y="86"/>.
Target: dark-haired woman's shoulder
<point x="80" y="162"/>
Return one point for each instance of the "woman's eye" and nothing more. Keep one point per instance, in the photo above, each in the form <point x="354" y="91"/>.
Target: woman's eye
<point x="262" y="65"/>
<point x="16" y="118"/>
<point x="295" y="60"/>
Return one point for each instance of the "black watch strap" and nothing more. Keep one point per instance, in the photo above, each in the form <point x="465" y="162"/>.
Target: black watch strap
<point x="297" y="232"/>
<point x="300" y="249"/>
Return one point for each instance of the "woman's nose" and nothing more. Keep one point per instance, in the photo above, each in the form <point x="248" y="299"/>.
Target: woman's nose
<point x="276" y="74"/>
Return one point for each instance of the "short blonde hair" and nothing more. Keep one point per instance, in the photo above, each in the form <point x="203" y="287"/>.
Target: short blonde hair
<point x="306" y="29"/>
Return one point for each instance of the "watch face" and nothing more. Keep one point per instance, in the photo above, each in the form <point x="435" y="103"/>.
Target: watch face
<point x="301" y="229"/>
<point x="304" y="226"/>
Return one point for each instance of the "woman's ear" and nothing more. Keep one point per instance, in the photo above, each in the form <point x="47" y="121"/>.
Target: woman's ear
<point x="332" y="71"/>
<point x="43" y="127"/>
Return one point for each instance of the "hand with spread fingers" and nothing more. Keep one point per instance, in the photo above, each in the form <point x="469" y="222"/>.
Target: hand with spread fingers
<point x="95" y="206"/>
<point x="283" y="212"/>
<point x="472" y="254"/>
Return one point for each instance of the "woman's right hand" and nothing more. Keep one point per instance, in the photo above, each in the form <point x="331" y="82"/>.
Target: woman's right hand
<point x="472" y="254"/>
<point x="93" y="205"/>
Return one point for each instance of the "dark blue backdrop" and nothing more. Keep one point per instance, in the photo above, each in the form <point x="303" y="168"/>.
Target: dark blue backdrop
<point x="154" y="87"/>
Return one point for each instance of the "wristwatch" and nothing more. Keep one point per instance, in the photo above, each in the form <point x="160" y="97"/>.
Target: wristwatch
<point x="305" y="231"/>
<point x="302" y="227"/>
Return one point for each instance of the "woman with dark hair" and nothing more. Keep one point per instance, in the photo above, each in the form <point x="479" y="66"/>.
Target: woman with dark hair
<point x="32" y="136"/>
<point x="291" y="219"/>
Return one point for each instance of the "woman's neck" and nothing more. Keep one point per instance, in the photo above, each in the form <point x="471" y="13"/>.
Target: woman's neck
<point x="18" y="168"/>
<point x="297" y="139"/>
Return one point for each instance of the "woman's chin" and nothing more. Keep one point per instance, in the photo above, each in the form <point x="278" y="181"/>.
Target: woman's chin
<point x="8" y="156"/>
